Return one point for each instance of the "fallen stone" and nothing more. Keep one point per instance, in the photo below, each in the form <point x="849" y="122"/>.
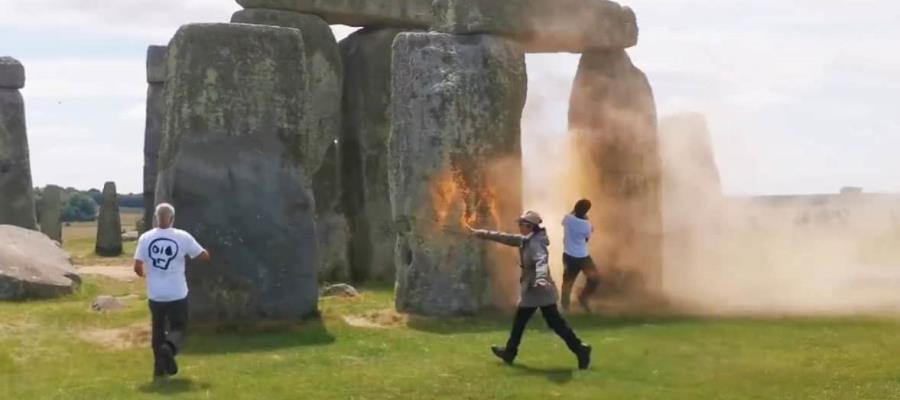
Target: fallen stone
<point x="241" y="181"/>
<point x="33" y="267"/>
<point x="154" y="118"/>
<point x="612" y="117"/>
<point x="368" y="13"/>
<point x="105" y="303"/>
<point x="109" y="224"/>
<point x="542" y="26"/>
<point x="131" y="236"/>
<point x="51" y="212"/>
<point x="455" y="158"/>
<point x="12" y="73"/>
<point x="16" y="196"/>
<point x="340" y="290"/>
<point x="364" y="152"/>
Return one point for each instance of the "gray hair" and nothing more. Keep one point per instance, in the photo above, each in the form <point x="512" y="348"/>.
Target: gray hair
<point x="165" y="209"/>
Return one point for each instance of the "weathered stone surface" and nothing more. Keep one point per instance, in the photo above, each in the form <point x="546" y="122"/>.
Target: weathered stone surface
<point x="154" y="117"/>
<point x="16" y="197"/>
<point x="156" y="64"/>
<point x="324" y="67"/>
<point x="454" y="158"/>
<point x="32" y="266"/>
<point x="370" y="13"/>
<point x="364" y="146"/>
<point x="12" y="73"/>
<point x="612" y="117"/>
<point x="51" y="212"/>
<point x="109" y="223"/>
<point x="542" y="25"/>
<point x="106" y="303"/>
<point x="238" y="165"/>
<point x="340" y="290"/>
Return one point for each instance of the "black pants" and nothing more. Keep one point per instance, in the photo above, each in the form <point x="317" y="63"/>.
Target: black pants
<point x="574" y="266"/>
<point x="554" y="320"/>
<point x="169" y="327"/>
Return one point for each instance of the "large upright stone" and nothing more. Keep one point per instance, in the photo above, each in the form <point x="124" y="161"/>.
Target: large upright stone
<point x="541" y="26"/>
<point x="237" y="160"/>
<point x="370" y="13"/>
<point x="367" y="127"/>
<point x="455" y="158"/>
<point x="156" y="78"/>
<point x="612" y="117"/>
<point x="109" y="224"/>
<point x="51" y="212"/>
<point x="16" y="197"/>
<point x="323" y="63"/>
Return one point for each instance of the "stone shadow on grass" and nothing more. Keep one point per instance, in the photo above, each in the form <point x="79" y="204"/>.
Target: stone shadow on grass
<point x="263" y="337"/>
<point x="556" y="375"/>
<point x="173" y="386"/>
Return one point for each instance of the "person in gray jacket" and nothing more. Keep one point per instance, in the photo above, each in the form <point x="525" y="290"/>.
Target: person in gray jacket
<point x="537" y="288"/>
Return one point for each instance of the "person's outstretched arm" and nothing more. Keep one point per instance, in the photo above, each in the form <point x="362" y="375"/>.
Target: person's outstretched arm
<point x="508" y="239"/>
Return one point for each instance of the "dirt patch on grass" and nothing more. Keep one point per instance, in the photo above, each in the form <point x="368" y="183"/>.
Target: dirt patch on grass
<point x="120" y="273"/>
<point x="379" y="319"/>
<point x="137" y="335"/>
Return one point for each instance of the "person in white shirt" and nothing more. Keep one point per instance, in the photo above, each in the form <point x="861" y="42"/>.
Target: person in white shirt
<point x="576" y="258"/>
<point x="160" y="258"/>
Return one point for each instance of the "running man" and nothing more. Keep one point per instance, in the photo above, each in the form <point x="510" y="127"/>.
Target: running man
<point x="160" y="257"/>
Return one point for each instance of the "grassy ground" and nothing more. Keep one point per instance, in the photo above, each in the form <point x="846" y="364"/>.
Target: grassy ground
<point x="79" y="239"/>
<point x="50" y="350"/>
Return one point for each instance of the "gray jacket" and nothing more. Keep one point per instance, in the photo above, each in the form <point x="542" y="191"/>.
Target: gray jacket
<point x="534" y="263"/>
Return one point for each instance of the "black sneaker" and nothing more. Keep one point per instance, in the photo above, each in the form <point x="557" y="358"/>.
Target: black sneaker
<point x="168" y="359"/>
<point x="504" y="355"/>
<point x="584" y="356"/>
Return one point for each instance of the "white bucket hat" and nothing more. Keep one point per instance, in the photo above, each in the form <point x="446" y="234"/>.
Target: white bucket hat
<point x="531" y="217"/>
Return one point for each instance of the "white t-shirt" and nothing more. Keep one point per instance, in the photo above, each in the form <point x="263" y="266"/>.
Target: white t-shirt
<point x="577" y="234"/>
<point x="163" y="252"/>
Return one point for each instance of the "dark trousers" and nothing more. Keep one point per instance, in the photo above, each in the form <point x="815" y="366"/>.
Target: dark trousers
<point x="169" y="327"/>
<point x="554" y="320"/>
<point x="574" y="266"/>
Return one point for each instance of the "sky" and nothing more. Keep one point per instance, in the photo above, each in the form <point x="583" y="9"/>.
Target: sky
<point x="801" y="96"/>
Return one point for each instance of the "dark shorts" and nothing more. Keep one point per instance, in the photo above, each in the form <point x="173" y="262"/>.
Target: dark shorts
<point x="576" y="265"/>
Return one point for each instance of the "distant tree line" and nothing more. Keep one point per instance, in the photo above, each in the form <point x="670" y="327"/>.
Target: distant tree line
<point x="83" y="205"/>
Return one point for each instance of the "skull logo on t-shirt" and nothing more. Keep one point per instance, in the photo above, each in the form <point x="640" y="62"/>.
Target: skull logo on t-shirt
<point x="162" y="252"/>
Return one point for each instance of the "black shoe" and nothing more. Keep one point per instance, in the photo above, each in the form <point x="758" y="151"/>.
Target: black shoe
<point x="167" y="356"/>
<point x="584" y="356"/>
<point x="503" y="354"/>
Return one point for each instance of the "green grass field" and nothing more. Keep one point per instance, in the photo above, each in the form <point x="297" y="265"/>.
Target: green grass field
<point x="79" y="239"/>
<point x="51" y="350"/>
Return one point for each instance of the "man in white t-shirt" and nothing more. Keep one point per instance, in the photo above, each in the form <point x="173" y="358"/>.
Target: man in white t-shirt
<point x="160" y="257"/>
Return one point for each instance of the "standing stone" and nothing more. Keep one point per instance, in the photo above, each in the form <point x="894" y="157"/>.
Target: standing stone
<point x="364" y="144"/>
<point x="370" y="13"/>
<point x="455" y="158"/>
<point x="323" y="63"/>
<point x="237" y="161"/>
<point x="51" y="212"/>
<point x="16" y="196"/>
<point x="542" y="25"/>
<point x="156" y="78"/>
<point x="109" y="224"/>
<point x="612" y="117"/>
